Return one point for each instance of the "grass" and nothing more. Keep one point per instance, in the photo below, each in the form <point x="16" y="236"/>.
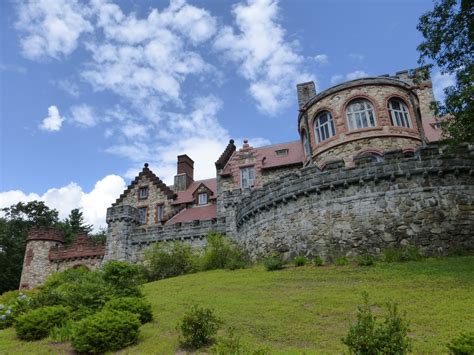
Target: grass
<point x="306" y="309"/>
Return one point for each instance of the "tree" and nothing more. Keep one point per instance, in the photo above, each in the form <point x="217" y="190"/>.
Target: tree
<point x="14" y="227"/>
<point x="448" y="32"/>
<point x="74" y="225"/>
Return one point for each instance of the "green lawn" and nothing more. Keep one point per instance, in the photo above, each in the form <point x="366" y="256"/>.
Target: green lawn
<point x="306" y="309"/>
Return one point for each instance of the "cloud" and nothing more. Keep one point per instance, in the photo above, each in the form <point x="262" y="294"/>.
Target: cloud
<point x="13" y="68"/>
<point x="53" y="122"/>
<point x="440" y="82"/>
<point x="94" y="204"/>
<point x="321" y="59"/>
<point x="83" y="115"/>
<point x="337" y="78"/>
<point x="356" y="75"/>
<point x="68" y="86"/>
<point x="357" y="56"/>
<point x="51" y="28"/>
<point x="265" y="59"/>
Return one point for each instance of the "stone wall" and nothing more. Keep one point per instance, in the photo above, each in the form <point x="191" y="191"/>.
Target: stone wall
<point x="426" y="200"/>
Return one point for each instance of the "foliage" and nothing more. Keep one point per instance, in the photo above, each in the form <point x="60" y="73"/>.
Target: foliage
<point x="300" y="261"/>
<point x="274" y="262"/>
<point x="463" y="344"/>
<point x="366" y="260"/>
<point x="198" y="326"/>
<point x="220" y="253"/>
<point x="137" y="306"/>
<point x="448" y="32"/>
<point x="105" y="331"/>
<point x="37" y="323"/>
<point x="405" y="253"/>
<point x="62" y="333"/>
<point x="318" y="261"/>
<point x="123" y="278"/>
<point x="74" y="224"/>
<point x="13" y="304"/>
<point x="341" y="261"/>
<point x="170" y="259"/>
<point x="14" y="227"/>
<point x="368" y="336"/>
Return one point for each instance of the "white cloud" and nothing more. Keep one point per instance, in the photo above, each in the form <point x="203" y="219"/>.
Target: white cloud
<point x="94" y="204"/>
<point x="337" y="78"/>
<point x="13" y="68"/>
<point x="53" y="122"/>
<point x="356" y="75"/>
<point x="51" y="28"/>
<point x="321" y="59"/>
<point x="84" y="115"/>
<point x="440" y="82"/>
<point x="68" y="86"/>
<point x="265" y="59"/>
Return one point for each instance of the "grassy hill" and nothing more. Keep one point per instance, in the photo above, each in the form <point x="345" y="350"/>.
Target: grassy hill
<point x="306" y="309"/>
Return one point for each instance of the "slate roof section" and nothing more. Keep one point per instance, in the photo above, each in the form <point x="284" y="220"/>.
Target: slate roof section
<point x="199" y="213"/>
<point x="153" y="178"/>
<point x="187" y="195"/>
<point x="225" y="156"/>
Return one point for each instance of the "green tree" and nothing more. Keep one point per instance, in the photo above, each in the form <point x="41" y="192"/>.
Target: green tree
<point x="74" y="224"/>
<point x="448" y="32"/>
<point x="18" y="219"/>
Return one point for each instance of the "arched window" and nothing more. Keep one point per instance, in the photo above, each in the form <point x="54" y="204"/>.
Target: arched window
<point x="399" y="113"/>
<point x="324" y="127"/>
<point x="306" y="148"/>
<point x="360" y="114"/>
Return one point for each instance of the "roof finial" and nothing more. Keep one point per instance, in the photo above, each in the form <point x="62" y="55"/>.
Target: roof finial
<point x="146" y="165"/>
<point x="246" y="143"/>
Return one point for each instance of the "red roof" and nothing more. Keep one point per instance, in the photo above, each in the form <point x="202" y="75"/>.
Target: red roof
<point x="187" y="195"/>
<point x="432" y="134"/>
<point x="201" y="213"/>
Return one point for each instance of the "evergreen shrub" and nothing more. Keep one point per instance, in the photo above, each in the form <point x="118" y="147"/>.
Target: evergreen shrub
<point x="274" y="262"/>
<point x="135" y="305"/>
<point x="463" y="344"/>
<point x="198" y="327"/>
<point x="36" y="324"/>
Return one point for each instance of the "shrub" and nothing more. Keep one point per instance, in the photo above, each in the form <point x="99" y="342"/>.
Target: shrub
<point x="300" y="261"/>
<point x="462" y="344"/>
<point x="368" y="336"/>
<point x="37" y="323"/>
<point x="14" y="303"/>
<point x="105" y="331"/>
<point x="366" y="260"/>
<point x="61" y="334"/>
<point x="170" y="259"/>
<point x="318" y="261"/>
<point x="198" y="327"/>
<point x="274" y="262"/>
<point x="123" y="278"/>
<point x="137" y="306"/>
<point x="341" y="261"/>
<point x="406" y="253"/>
<point x="220" y="253"/>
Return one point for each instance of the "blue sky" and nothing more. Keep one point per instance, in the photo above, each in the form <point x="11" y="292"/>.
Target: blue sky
<point x="90" y="90"/>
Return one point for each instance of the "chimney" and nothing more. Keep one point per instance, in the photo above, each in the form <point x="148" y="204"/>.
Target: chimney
<point x="185" y="175"/>
<point x="305" y="92"/>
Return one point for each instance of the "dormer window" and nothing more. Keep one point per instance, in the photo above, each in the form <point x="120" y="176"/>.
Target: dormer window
<point x="143" y="192"/>
<point x="202" y="199"/>
<point x="281" y="152"/>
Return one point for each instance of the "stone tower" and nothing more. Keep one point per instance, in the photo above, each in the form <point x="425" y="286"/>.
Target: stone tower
<point x="36" y="264"/>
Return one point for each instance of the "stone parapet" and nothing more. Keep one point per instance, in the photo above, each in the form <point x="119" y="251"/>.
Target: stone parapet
<point x="122" y="213"/>
<point x="82" y="248"/>
<point x="46" y="234"/>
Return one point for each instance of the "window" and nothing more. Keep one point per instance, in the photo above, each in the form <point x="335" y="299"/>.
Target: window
<point x="159" y="212"/>
<point x="360" y="114"/>
<point x="247" y="177"/>
<point x="324" y="127"/>
<point x="281" y="152"/>
<point x="202" y="199"/>
<point x="143" y="192"/>
<point x="306" y="147"/>
<point x="142" y="211"/>
<point x="399" y="113"/>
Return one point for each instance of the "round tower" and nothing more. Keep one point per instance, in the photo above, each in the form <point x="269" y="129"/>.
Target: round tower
<point x="36" y="264"/>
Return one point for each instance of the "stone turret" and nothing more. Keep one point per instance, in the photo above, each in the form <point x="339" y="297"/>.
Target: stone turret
<point x="36" y="265"/>
<point x="121" y="221"/>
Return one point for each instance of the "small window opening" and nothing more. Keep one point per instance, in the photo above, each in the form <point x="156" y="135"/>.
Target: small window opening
<point x="202" y="199"/>
<point x="143" y="192"/>
<point x="281" y="152"/>
<point x="142" y="212"/>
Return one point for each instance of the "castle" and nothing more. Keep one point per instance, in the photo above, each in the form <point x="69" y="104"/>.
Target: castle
<point x="366" y="174"/>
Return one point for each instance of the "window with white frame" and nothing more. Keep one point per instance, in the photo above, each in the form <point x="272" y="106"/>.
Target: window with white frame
<point x="202" y="199"/>
<point x="142" y="213"/>
<point x="324" y="127"/>
<point x="360" y="114"/>
<point x="160" y="209"/>
<point x="247" y="177"/>
<point x="306" y="144"/>
<point x="399" y="113"/>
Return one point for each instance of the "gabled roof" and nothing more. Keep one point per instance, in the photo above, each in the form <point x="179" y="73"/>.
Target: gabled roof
<point x="187" y="195"/>
<point x="155" y="180"/>
<point x="199" y="213"/>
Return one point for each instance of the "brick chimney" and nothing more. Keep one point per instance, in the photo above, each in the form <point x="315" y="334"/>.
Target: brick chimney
<point x="305" y="91"/>
<point x="185" y="175"/>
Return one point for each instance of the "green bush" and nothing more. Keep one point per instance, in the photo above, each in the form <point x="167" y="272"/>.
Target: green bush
<point x="198" y="327"/>
<point x="62" y="333"/>
<point x="137" y="306"/>
<point x="13" y="304"/>
<point x="123" y="278"/>
<point x="300" y="261"/>
<point x="105" y="331"/>
<point x="341" y="261"/>
<point x="366" y="260"/>
<point x="368" y="336"/>
<point x="462" y="344"/>
<point x="170" y="259"/>
<point x="406" y="253"/>
<point x="318" y="261"/>
<point x="274" y="262"/>
<point x="220" y="253"/>
<point x="36" y="324"/>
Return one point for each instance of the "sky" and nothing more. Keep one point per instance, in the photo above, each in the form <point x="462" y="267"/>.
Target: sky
<point x="91" y="90"/>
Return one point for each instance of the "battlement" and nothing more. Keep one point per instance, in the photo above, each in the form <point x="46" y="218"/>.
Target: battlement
<point x="82" y="248"/>
<point x="122" y="213"/>
<point x="46" y="234"/>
